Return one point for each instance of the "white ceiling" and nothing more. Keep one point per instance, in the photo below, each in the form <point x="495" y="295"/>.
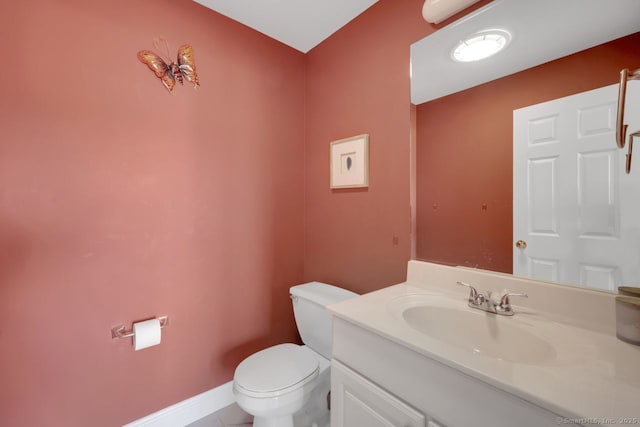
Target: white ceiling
<point x="542" y="30"/>
<point x="301" y="24"/>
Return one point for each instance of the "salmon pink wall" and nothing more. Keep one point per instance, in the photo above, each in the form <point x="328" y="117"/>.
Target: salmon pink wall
<point x="464" y="154"/>
<point x="120" y="202"/>
<point x="358" y="82"/>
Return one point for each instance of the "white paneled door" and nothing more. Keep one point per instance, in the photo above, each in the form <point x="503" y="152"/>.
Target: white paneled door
<point x="576" y="213"/>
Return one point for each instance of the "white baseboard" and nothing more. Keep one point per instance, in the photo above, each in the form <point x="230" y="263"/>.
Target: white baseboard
<point x="189" y="410"/>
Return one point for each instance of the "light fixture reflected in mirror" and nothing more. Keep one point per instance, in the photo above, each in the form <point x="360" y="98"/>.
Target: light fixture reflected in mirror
<point x="481" y="45"/>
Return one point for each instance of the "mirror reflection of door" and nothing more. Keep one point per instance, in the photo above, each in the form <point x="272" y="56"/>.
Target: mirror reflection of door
<point x="576" y="215"/>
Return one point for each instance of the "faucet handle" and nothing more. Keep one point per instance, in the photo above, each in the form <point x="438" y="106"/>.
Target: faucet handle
<point x="511" y="294"/>
<point x="506" y="302"/>
<point x="504" y="307"/>
<point x="473" y="293"/>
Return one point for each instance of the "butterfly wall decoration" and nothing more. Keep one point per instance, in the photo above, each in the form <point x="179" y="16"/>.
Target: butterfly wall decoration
<point x="169" y="72"/>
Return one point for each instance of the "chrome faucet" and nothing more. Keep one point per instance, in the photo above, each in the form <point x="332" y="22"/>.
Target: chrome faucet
<point x="484" y="301"/>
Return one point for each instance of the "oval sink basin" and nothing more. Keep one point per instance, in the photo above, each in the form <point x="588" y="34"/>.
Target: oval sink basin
<point x="479" y="332"/>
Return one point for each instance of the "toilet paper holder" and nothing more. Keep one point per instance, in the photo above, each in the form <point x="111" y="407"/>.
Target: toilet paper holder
<point x="120" y="332"/>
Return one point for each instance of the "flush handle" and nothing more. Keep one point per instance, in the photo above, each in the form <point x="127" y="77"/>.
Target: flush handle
<point x="521" y="244"/>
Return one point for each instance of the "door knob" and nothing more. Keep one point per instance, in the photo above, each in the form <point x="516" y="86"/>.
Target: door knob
<point x="521" y="244"/>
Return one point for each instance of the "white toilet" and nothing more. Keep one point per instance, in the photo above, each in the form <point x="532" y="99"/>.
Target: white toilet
<point x="286" y="379"/>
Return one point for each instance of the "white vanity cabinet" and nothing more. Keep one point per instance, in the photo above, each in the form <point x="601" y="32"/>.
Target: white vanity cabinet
<point x="359" y="402"/>
<point x="377" y="382"/>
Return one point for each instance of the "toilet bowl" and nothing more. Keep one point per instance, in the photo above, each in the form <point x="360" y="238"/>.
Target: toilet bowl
<point x="288" y="380"/>
<point x="277" y="382"/>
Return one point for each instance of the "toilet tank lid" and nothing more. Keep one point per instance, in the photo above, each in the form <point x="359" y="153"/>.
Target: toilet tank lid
<point x="321" y="293"/>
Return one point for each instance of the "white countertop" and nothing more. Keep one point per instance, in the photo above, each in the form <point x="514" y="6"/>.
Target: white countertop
<point x="593" y="374"/>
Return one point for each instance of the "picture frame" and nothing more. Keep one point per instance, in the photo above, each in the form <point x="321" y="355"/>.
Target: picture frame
<point x="349" y="162"/>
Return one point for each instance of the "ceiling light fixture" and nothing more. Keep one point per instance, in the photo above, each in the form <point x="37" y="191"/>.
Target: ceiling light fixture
<point x="436" y="11"/>
<point x="481" y="45"/>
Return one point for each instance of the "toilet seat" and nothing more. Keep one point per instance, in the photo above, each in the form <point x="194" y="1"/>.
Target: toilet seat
<point x="275" y="371"/>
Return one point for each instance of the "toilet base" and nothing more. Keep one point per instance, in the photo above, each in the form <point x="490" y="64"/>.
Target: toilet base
<point x="316" y="412"/>
<point x="285" y="421"/>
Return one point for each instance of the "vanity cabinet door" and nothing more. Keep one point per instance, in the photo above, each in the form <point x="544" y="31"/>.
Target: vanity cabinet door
<point x="357" y="402"/>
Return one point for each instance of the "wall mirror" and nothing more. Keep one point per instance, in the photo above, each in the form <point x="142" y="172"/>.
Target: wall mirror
<point x="465" y="129"/>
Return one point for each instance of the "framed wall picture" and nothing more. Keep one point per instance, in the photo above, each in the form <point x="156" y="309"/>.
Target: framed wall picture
<point x="349" y="162"/>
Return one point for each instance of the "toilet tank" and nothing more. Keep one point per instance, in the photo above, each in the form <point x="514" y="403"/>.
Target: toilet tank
<point x="312" y="318"/>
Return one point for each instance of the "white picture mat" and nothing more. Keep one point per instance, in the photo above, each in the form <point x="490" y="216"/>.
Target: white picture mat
<point x="349" y="162"/>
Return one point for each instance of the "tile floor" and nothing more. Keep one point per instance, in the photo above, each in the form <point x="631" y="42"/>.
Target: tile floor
<point x="225" y="417"/>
